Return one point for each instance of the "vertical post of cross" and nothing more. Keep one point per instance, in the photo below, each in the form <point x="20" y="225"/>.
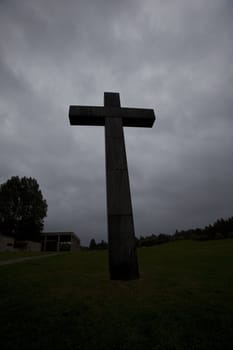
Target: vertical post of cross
<point x="123" y="264"/>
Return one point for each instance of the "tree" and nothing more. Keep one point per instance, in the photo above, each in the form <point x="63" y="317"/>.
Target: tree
<point x="22" y="208"/>
<point x="92" y="244"/>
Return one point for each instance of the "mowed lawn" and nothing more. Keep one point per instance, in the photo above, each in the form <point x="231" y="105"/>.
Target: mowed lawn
<point x="16" y="255"/>
<point x="183" y="300"/>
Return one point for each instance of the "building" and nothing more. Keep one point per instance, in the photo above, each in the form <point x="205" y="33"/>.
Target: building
<point x="27" y="246"/>
<point x="50" y="241"/>
<point x="9" y="244"/>
<point x="6" y="243"/>
<point x="59" y="241"/>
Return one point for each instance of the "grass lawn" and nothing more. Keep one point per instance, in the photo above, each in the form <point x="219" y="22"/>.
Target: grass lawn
<point x="184" y="300"/>
<point x="16" y="255"/>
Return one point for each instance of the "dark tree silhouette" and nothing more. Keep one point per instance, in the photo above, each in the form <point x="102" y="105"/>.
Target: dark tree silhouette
<point x="219" y="230"/>
<point x="92" y="244"/>
<point x="22" y="208"/>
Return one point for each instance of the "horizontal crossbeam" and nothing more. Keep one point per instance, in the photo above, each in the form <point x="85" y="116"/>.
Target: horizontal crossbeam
<point x="137" y="117"/>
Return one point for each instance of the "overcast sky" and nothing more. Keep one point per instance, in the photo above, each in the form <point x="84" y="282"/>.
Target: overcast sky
<point x="173" y="56"/>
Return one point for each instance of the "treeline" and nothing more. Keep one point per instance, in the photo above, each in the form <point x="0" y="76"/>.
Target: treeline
<point x="151" y="240"/>
<point x="93" y="245"/>
<point x="221" y="229"/>
<point x="140" y="242"/>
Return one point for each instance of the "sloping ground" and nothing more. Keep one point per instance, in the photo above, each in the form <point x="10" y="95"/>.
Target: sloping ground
<point x="26" y="258"/>
<point x="184" y="300"/>
<point x="17" y="255"/>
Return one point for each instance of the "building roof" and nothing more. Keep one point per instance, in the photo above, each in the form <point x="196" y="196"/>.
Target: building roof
<point x="61" y="233"/>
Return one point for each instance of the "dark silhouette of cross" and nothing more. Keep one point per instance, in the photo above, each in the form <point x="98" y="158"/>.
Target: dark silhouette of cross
<point x="123" y="263"/>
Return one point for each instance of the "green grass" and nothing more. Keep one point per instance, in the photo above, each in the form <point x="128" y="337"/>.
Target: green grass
<point x="16" y="255"/>
<point x="183" y="300"/>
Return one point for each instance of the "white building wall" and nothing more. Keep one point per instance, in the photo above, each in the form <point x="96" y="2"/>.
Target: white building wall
<point x="75" y="243"/>
<point x="6" y="244"/>
<point x="33" y="246"/>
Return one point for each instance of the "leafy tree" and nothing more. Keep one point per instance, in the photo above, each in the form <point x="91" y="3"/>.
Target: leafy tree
<point x="22" y="208"/>
<point x="92" y="244"/>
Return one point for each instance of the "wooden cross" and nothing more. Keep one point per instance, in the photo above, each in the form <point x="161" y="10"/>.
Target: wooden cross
<point x="123" y="263"/>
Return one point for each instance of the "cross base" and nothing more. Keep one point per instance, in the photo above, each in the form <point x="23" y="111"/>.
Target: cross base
<point x="124" y="272"/>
